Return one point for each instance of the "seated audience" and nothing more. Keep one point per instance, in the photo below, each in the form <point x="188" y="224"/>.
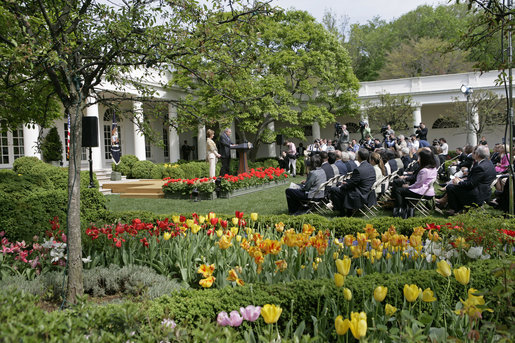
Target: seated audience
<point x="308" y="188"/>
<point x="355" y="192"/>
<point x="342" y="168"/>
<point x="504" y="160"/>
<point x="423" y="185"/>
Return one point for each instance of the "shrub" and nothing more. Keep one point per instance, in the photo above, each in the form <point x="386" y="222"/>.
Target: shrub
<point x="195" y="169"/>
<point x="142" y="169"/>
<point x="23" y="165"/>
<point x="157" y="172"/>
<point x="52" y="147"/>
<point x="125" y="165"/>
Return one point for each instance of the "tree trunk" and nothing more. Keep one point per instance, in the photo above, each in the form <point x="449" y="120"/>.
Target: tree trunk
<point x="75" y="278"/>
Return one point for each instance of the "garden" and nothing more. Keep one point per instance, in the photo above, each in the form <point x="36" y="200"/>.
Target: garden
<point x="239" y="276"/>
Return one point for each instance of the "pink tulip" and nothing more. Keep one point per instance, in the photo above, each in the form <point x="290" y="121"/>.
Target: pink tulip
<point x="235" y="319"/>
<point x="223" y="319"/>
<point x="251" y="312"/>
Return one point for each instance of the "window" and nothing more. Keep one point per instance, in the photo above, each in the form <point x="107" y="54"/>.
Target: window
<point x="148" y="149"/>
<point x="352" y="127"/>
<point x="18" y="147"/>
<point x="443" y="123"/>
<point x="166" y="150"/>
<point x="4" y="148"/>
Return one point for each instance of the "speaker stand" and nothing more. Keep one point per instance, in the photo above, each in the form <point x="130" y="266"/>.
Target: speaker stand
<point x="91" y="183"/>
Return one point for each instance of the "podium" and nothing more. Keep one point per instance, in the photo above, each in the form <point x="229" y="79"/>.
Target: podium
<point x="242" y="150"/>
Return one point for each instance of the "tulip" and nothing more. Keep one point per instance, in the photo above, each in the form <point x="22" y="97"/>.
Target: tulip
<point x="223" y="223"/>
<point x="240" y="282"/>
<point x="254" y="216"/>
<point x="207" y="282"/>
<point x="343" y="266"/>
<point x="233" y="276"/>
<point x="443" y="268"/>
<point x="347" y="294"/>
<point x="390" y="310"/>
<point x="224" y="242"/>
<point x="223" y="319"/>
<point x="462" y="275"/>
<point x="206" y="270"/>
<point x="250" y="313"/>
<point x="190" y="222"/>
<point x="358" y="324"/>
<point x="167" y="236"/>
<point x="380" y="293"/>
<point x="176" y="219"/>
<point x="214" y="221"/>
<point x="195" y="228"/>
<point x="359" y="271"/>
<point x="428" y="295"/>
<point x="411" y="292"/>
<point x="238" y="238"/>
<point x="211" y="215"/>
<point x="271" y="313"/>
<point x="201" y="219"/>
<point x="234" y="230"/>
<point x="342" y="326"/>
<point x="235" y="221"/>
<point x="339" y="280"/>
<point x="219" y="233"/>
<point x="235" y="319"/>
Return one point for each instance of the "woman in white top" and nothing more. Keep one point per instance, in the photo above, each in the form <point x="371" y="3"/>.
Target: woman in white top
<point x="211" y="152"/>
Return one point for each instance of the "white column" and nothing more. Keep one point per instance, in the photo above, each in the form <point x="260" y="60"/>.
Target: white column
<point x="30" y="140"/>
<point x="233" y="138"/>
<point x="201" y="142"/>
<point x="417" y="117"/>
<point x="174" y="145"/>
<point x="315" y="128"/>
<point x="139" y="137"/>
<point x="96" y="152"/>
<point x="472" y="125"/>
<point x="272" y="147"/>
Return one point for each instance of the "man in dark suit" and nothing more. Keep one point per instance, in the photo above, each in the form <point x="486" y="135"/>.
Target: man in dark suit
<point x="342" y="168"/>
<point x="225" y="151"/>
<point x="476" y="189"/>
<point x="356" y="191"/>
<point x="309" y="189"/>
<point x="422" y="132"/>
<point x="326" y="167"/>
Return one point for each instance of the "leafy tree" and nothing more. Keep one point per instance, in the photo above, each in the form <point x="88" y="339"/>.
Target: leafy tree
<point x="75" y="45"/>
<point x="393" y="110"/>
<point x="290" y="69"/>
<point x="427" y="56"/>
<point x="52" y="147"/>
<point x="488" y="106"/>
<point x="337" y="25"/>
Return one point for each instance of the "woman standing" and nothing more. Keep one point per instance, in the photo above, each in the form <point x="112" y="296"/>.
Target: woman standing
<point x="212" y="153"/>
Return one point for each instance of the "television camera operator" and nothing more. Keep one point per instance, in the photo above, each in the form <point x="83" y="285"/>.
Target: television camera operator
<point x="341" y="132"/>
<point x="364" y="129"/>
<point x="388" y="136"/>
<point x="421" y="132"/>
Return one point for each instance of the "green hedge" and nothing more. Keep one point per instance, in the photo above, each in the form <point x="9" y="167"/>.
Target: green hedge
<point x="307" y="298"/>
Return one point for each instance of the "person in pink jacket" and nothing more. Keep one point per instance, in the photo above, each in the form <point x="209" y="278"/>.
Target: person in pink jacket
<point x="502" y="166"/>
<point x="423" y="186"/>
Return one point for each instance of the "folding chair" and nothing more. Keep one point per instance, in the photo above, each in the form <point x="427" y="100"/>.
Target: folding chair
<point x="424" y="204"/>
<point x="371" y="211"/>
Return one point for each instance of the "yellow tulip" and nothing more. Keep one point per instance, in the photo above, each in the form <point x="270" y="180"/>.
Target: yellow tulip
<point x="342" y="326"/>
<point x="211" y="215"/>
<point x="462" y="275"/>
<point x="347" y="294"/>
<point x="359" y="271"/>
<point x="380" y="293"/>
<point x="167" y="236"/>
<point x="358" y="324"/>
<point x="238" y="238"/>
<point x="219" y="233"/>
<point x="254" y="216"/>
<point x="390" y="310"/>
<point x="235" y="221"/>
<point x="190" y="222"/>
<point x="176" y="219"/>
<point x="343" y="266"/>
<point x="233" y="276"/>
<point x="195" y="228"/>
<point x="207" y="282"/>
<point x="443" y="268"/>
<point x="339" y="280"/>
<point x="234" y="230"/>
<point x="428" y="295"/>
<point x="201" y="219"/>
<point x="411" y="292"/>
<point x="224" y="242"/>
<point x="271" y="313"/>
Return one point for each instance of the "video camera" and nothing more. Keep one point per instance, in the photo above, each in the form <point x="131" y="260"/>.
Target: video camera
<point x="384" y="131"/>
<point x="338" y="129"/>
<point x="416" y="127"/>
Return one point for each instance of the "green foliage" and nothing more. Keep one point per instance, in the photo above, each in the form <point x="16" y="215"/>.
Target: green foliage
<point x="396" y="110"/>
<point x="23" y="165"/>
<point x="195" y="169"/>
<point x="157" y="172"/>
<point x="142" y="169"/>
<point x="52" y="147"/>
<point x="125" y="165"/>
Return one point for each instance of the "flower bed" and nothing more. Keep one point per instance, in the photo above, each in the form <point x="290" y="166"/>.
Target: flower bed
<point x="255" y="178"/>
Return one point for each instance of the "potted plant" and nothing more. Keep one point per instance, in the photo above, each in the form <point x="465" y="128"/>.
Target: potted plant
<point x="52" y="147"/>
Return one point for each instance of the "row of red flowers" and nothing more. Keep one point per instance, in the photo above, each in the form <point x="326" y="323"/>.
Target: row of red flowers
<point x="228" y="182"/>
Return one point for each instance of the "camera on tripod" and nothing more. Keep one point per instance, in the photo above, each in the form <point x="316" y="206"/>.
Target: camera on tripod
<point x="338" y="129"/>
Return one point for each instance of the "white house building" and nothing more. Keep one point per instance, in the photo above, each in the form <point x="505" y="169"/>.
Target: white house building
<point x="432" y="96"/>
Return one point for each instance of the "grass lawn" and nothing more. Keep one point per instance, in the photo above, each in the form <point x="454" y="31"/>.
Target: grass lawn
<point x="268" y="201"/>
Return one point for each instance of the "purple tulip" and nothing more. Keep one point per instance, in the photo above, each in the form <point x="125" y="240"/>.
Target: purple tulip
<point x="223" y="319"/>
<point x="250" y="313"/>
<point x="235" y="319"/>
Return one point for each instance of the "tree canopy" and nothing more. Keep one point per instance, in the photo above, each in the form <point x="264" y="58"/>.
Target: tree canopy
<point x="285" y="68"/>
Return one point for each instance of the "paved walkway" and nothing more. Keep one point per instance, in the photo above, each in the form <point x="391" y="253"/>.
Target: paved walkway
<point x="136" y="188"/>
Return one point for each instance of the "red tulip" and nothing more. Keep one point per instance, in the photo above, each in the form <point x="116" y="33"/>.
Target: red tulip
<point x="223" y="223"/>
